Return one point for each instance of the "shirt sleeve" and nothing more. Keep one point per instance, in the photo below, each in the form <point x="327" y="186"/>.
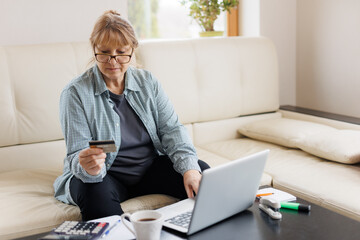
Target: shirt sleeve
<point x="76" y="132"/>
<point x="173" y="135"/>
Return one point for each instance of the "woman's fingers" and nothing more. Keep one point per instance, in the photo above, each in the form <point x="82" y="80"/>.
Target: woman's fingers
<point x="92" y="160"/>
<point x="192" y="180"/>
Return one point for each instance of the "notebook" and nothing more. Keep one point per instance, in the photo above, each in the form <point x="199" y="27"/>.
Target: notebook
<point x="277" y="194"/>
<point x="224" y="191"/>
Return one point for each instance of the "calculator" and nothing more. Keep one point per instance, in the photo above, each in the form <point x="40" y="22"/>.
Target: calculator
<point x="80" y="230"/>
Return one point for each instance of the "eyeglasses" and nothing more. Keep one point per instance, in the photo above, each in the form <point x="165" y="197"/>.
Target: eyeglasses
<point x="106" y="58"/>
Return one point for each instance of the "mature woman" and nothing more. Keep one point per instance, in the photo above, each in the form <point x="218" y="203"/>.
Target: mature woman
<point x="114" y="101"/>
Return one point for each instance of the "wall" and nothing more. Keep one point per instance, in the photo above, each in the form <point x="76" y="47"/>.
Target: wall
<point x="278" y="22"/>
<point x="49" y="21"/>
<point x="275" y="19"/>
<point x="318" y="45"/>
<point x="328" y="56"/>
<point x="249" y="17"/>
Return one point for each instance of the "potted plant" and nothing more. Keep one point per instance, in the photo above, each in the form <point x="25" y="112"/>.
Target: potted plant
<point x="205" y="12"/>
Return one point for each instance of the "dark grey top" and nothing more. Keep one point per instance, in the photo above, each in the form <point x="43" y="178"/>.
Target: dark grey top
<point x="137" y="151"/>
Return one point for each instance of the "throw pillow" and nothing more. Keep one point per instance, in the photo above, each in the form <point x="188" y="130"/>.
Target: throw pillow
<point x="282" y="131"/>
<point x="317" y="139"/>
<point x="337" y="145"/>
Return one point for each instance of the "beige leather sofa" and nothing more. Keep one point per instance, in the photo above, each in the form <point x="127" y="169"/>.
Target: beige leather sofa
<point x="220" y="87"/>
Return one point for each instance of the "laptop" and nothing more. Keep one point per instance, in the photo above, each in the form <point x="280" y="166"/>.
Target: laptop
<point x="224" y="191"/>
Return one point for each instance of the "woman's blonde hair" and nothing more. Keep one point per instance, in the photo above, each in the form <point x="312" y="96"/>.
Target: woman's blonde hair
<point x="113" y="30"/>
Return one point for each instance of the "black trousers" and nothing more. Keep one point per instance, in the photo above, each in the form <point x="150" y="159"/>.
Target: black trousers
<point x="97" y="200"/>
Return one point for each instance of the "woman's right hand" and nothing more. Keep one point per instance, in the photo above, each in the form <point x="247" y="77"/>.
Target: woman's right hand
<point x="92" y="160"/>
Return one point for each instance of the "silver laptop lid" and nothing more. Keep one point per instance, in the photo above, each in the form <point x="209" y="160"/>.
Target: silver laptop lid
<point x="227" y="190"/>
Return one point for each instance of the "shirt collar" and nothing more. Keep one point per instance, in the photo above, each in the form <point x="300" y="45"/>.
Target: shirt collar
<point x="130" y="81"/>
<point x="100" y="87"/>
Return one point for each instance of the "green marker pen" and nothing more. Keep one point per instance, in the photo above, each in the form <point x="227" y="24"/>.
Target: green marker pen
<point x="296" y="206"/>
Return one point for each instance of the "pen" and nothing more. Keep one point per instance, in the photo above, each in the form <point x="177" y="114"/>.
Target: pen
<point x="263" y="194"/>
<point x="111" y="228"/>
<point x="296" y="206"/>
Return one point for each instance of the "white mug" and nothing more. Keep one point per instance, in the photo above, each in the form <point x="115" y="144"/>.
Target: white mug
<point x="147" y="224"/>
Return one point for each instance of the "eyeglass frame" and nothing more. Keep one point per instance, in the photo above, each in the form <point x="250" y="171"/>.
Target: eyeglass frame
<point x="114" y="56"/>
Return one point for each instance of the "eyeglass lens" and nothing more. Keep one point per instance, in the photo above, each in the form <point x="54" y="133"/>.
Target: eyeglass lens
<point x="107" y="58"/>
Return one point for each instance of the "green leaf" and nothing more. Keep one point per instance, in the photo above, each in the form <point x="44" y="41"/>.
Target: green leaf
<point x="205" y="12"/>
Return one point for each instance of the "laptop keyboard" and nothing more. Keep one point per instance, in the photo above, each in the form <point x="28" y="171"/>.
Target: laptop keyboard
<point x="182" y="220"/>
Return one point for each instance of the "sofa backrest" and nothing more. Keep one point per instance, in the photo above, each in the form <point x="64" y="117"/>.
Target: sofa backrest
<point x="206" y="79"/>
<point x="215" y="78"/>
<point x="31" y="79"/>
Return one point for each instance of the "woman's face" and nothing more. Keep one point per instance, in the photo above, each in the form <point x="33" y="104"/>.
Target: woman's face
<point x="115" y="68"/>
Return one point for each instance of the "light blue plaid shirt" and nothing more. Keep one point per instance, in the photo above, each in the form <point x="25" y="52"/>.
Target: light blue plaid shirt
<point x="86" y="113"/>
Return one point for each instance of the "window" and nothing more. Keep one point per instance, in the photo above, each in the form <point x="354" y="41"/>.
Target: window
<point x="165" y="19"/>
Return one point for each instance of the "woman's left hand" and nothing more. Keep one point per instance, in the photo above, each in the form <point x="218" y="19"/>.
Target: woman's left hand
<point x="191" y="182"/>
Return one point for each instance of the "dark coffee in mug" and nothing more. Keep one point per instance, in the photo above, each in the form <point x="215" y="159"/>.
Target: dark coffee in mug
<point x="146" y="219"/>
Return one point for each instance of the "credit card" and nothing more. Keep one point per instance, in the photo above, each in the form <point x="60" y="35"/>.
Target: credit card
<point x="106" y="145"/>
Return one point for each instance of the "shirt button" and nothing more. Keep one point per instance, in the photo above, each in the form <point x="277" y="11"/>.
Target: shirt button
<point x="117" y="124"/>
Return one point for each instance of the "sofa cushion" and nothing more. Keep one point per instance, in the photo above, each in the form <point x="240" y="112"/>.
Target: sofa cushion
<point x="30" y="207"/>
<point x="45" y="155"/>
<point x="326" y="183"/>
<point x="213" y="159"/>
<point x="336" y="145"/>
<point x="318" y="139"/>
<point x="282" y="131"/>
<point x="147" y="202"/>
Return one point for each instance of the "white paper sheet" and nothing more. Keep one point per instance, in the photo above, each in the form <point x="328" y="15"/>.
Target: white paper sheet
<point x="118" y="232"/>
<point x="278" y="195"/>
